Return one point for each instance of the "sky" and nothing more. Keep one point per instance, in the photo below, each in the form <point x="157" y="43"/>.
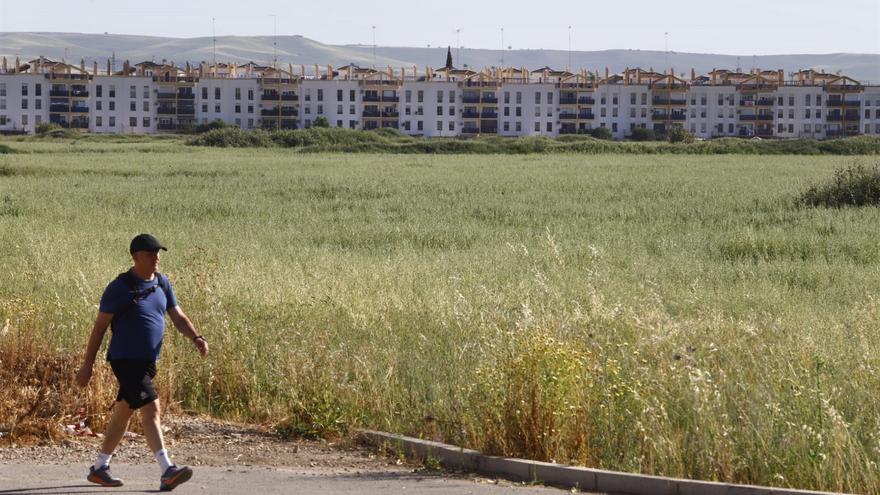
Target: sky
<point x="742" y="27"/>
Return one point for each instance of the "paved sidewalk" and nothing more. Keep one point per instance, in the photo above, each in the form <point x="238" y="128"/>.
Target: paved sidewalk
<point x="256" y="480"/>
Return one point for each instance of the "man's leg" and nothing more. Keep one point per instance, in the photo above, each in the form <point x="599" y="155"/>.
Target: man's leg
<point x="172" y="475"/>
<point x="117" y="426"/>
<point x="100" y="471"/>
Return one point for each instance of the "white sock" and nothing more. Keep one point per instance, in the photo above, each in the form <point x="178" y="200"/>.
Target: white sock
<point x="103" y="460"/>
<point x="164" y="461"/>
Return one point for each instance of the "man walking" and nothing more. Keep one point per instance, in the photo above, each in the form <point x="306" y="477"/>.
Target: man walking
<point x="135" y="304"/>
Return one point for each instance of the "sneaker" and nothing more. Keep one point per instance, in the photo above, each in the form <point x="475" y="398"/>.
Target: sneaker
<point x="103" y="477"/>
<point x="174" y="476"/>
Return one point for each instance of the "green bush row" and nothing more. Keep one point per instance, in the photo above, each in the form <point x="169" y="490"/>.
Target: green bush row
<point x="392" y="141"/>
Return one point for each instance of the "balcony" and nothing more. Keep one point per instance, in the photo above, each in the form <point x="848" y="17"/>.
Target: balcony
<point x="288" y="124"/>
<point x="764" y="117"/>
<point x="748" y="117"/>
<point x="489" y="99"/>
<point x="290" y="97"/>
<point x="841" y="117"/>
<point x="369" y="97"/>
<point x="567" y="116"/>
<point x="668" y="101"/>
<point x="166" y="110"/>
<point x="390" y="114"/>
<point x="489" y="129"/>
<point x="392" y="124"/>
<point x="166" y="126"/>
<point x="586" y="115"/>
<point x="270" y="112"/>
<point x="59" y="93"/>
<point x="586" y="100"/>
<point x="765" y="102"/>
<point x="470" y="130"/>
<point x="391" y="98"/>
<point x="59" y="108"/>
<point x="371" y="113"/>
<point x="79" y="109"/>
<point x="79" y="93"/>
<point x="79" y="124"/>
<point x="186" y="110"/>
<point x="489" y="115"/>
<point x="568" y="101"/>
<point x="842" y="103"/>
<point x="470" y="115"/>
<point x="675" y="117"/>
<point x="167" y="96"/>
<point x="746" y="103"/>
<point x="470" y="98"/>
<point x="186" y="96"/>
<point x="270" y="96"/>
<point x="567" y="130"/>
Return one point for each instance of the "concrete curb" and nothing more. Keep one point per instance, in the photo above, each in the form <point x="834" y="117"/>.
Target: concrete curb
<point x="587" y="479"/>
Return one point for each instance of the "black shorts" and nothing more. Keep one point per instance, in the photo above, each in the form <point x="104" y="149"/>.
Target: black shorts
<point x="135" y="381"/>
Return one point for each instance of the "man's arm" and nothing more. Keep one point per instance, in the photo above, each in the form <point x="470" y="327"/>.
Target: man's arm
<point x="183" y="324"/>
<point x="85" y="372"/>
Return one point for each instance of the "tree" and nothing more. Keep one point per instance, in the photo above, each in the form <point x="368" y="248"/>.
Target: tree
<point x="679" y="134"/>
<point x="321" y="122"/>
<point x="448" y="57"/>
<point x="601" y="133"/>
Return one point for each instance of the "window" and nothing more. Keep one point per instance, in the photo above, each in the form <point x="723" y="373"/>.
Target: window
<point x="506" y="126"/>
<point x="24" y="119"/>
<point x="506" y="99"/>
<point x="518" y="126"/>
<point x="250" y="109"/>
<point x="807" y="99"/>
<point x="339" y="110"/>
<point x="38" y="105"/>
<point x="112" y="105"/>
<point x="339" y="98"/>
<point x="644" y="98"/>
<point x="645" y="113"/>
<point x="320" y="96"/>
<point x="112" y="92"/>
<point x="451" y="96"/>
<point x="720" y="100"/>
<point x="703" y="102"/>
<point x="351" y="110"/>
<point x="519" y="111"/>
<point x="132" y="106"/>
<point x="3" y="89"/>
<point x="419" y="125"/>
<point x="250" y="123"/>
<point x="614" y="112"/>
<point x="507" y="111"/>
<point x="204" y="93"/>
<point x="2" y="104"/>
<point x="439" y="98"/>
<point x="791" y="128"/>
<point x="204" y="108"/>
<point x="132" y="122"/>
<point x="420" y="97"/>
<point x="632" y="99"/>
<point x="549" y="126"/>
<point x="779" y="101"/>
<point x="24" y="89"/>
<point x="614" y="127"/>
<point x="439" y="125"/>
<point x="351" y="125"/>
<point x="132" y="93"/>
<point x="614" y="100"/>
<point x="537" y="127"/>
<point x="451" y="110"/>
<point x="537" y="102"/>
<point x="98" y="89"/>
<point x="216" y="93"/>
<point x="452" y="126"/>
<point x="38" y="89"/>
<point x="320" y="109"/>
<point x="602" y="112"/>
<point x="216" y="108"/>
<point x="146" y="122"/>
<point x="807" y="113"/>
<point x="98" y="121"/>
<point x="112" y="121"/>
<point x="339" y="122"/>
<point x="791" y="113"/>
<point x="537" y="111"/>
<point x="237" y="108"/>
<point x="308" y="109"/>
<point x="632" y="113"/>
<point x="519" y="97"/>
<point x="146" y="106"/>
<point x="250" y="94"/>
<point x="146" y="92"/>
<point x="818" y="100"/>
<point x="791" y="101"/>
<point x="237" y="93"/>
<point x="351" y="98"/>
<point x="439" y="110"/>
<point x="602" y="100"/>
<point x="549" y="98"/>
<point x="407" y="96"/>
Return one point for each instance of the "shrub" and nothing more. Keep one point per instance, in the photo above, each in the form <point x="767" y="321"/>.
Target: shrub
<point x="643" y="134"/>
<point x="210" y="126"/>
<point x="601" y="133"/>
<point x="233" y="137"/>
<point x="679" y="135"/>
<point x="46" y="127"/>
<point x="321" y="122"/>
<point x="5" y="150"/>
<point x="856" y="185"/>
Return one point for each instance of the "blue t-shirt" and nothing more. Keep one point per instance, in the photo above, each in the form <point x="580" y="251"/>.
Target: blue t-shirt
<point x="138" y="323"/>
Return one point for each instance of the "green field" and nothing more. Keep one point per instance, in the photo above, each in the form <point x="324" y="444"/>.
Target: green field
<point x="673" y="315"/>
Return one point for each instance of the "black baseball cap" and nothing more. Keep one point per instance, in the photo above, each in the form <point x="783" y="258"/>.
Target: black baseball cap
<point x="145" y="242"/>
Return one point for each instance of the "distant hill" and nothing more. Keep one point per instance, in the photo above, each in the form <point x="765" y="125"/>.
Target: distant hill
<point x="300" y="50"/>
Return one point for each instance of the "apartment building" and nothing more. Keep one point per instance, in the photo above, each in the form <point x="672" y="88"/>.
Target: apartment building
<point x="151" y="97"/>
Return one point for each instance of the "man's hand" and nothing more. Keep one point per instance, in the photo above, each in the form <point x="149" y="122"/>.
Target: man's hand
<point x="84" y="375"/>
<point x="202" y="346"/>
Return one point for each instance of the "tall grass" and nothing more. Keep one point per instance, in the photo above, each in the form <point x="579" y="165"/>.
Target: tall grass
<point x="674" y="315"/>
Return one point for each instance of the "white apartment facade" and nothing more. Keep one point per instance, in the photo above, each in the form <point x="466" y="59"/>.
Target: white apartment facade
<point x="448" y="102"/>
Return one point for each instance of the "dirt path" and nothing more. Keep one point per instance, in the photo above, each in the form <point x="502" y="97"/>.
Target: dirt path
<point x="233" y="459"/>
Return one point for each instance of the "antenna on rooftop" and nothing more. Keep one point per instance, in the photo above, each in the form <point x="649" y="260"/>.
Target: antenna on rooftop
<point x="214" y="36"/>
